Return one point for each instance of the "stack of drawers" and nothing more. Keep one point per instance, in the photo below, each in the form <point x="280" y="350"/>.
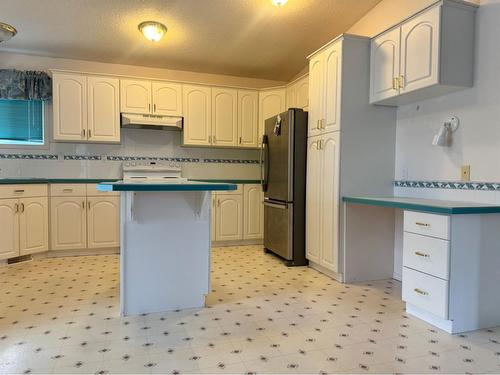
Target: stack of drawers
<point x="426" y="262"/>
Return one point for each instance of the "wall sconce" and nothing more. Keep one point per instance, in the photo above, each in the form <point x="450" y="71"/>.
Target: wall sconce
<point x="443" y="136"/>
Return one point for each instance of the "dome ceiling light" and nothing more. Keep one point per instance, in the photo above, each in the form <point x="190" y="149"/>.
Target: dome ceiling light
<point x="6" y="32"/>
<point x="279" y="3"/>
<point x="153" y="30"/>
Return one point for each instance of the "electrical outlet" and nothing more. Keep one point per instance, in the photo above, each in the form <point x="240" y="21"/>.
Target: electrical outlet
<point x="465" y="174"/>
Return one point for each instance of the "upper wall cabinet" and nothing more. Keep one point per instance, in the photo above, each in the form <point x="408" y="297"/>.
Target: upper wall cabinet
<point x="428" y="55"/>
<point x="248" y="118"/>
<point x="197" y="103"/>
<point x="297" y="94"/>
<point x="86" y="108"/>
<point x="146" y="97"/>
<point x="224" y="116"/>
<point x="271" y="103"/>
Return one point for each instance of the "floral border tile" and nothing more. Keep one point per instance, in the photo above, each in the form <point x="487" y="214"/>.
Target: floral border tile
<point x="82" y="157"/>
<point x="458" y="185"/>
<point x="29" y="156"/>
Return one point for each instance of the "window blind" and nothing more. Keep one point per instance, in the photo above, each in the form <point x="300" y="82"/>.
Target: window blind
<point x="21" y="121"/>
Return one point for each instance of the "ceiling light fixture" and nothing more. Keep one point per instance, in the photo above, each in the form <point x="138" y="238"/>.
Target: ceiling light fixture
<point x="153" y="30"/>
<point x="279" y="3"/>
<point x="6" y="32"/>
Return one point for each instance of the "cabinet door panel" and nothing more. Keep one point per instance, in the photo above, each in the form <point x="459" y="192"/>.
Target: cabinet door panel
<point x="332" y="90"/>
<point x="384" y="65"/>
<point x="302" y="93"/>
<point x="228" y="217"/>
<point x="224" y="116"/>
<point x="248" y="118"/>
<point x="316" y="93"/>
<point x="167" y="98"/>
<point x="33" y="225"/>
<point x="103" y="109"/>
<point x="9" y="222"/>
<point x="197" y="108"/>
<point x="70" y="107"/>
<point x="330" y="201"/>
<point x="419" y="50"/>
<point x="103" y="222"/>
<point x="253" y="208"/>
<point x="68" y="224"/>
<point x="313" y="200"/>
<point x="135" y="96"/>
<point x="271" y="103"/>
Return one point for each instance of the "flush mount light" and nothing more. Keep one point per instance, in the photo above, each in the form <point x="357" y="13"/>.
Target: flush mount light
<point x="153" y="30"/>
<point x="6" y="31"/>
<point x="279" y="3"/>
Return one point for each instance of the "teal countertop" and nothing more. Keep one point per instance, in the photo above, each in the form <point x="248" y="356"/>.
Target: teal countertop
<point x="37" y="180"/>
<point x="425" y="205"/>
<point x="173" y="186"/>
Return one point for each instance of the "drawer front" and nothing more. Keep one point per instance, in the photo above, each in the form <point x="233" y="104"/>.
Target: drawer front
<point x="427" y="292"/>
<point x="92" y="191"/>
<point x="427" y="224"/>
<point x="68" y="190"/>
<point x="20" y="190"/>
<point x="426" y="254"/>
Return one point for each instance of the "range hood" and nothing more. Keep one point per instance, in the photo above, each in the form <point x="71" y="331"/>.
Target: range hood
<point x="147" y="121"/>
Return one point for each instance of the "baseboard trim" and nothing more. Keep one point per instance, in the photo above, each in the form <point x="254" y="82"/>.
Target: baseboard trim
<point x="77" y="252"/>
<point x="334" y="275"/>
<point x="237" y="243"/>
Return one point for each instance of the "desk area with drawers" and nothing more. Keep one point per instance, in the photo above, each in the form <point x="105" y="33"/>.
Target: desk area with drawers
<point x="451" y="256"/>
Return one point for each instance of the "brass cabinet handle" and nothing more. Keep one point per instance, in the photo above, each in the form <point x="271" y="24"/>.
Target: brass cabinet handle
<point x="421" y="292"/>
<point x="67" y="190"/>
<point x="88" y="205"/>
<point x="83" y="133"/>
<point x="317" y="125"/>
<point x="240" y="141"/>
<point x="395" y="83"/>
<point x="16" y="208"/>
<point x="218" y="202"/>
<point x="322" y="123"/>
<point x="83" y="205"/>
<point x="22" y="207"/>
<point x="401" y="81"/>
<point x="154" y="107"/>
<point x="149" y="107"/>
<point x="90" y="134"/>
<point x="420" y="224"/>
<point x="19" y="191"/>
<point x="423" y="255"/>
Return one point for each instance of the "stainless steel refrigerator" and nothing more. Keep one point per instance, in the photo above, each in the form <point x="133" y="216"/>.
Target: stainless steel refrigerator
<point x="283" y="175"/>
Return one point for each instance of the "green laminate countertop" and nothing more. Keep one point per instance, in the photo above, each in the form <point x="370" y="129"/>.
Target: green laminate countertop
<point x="425" y="205"/>
<point x="167" y="186"/>
<point x="37" y="180"/>
<point x="227" y="180"/>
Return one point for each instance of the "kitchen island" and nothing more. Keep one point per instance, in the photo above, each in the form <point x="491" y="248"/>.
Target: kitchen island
<point x="165" y="244"/>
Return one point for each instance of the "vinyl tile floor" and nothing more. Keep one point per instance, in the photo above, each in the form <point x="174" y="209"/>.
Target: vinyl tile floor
<point x="61" y="315"/>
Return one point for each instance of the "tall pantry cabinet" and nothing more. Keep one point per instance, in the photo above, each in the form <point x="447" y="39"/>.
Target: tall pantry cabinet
<point x="350" y="145"/>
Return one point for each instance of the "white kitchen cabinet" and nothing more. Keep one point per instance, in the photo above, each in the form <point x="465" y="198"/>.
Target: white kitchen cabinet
<point x="197" y="108"/>
<point x="248" y="118"/>
<point x="167" y="98"/>
<point x="103" y="222"/>
<point x="33" y="225"/>
<point x="253" y="212"/>
<point x="103" y="109"/>
<point x="9" y="222"/>
<point x="302" y="93"/>
<point x="271" y="103"/>
<point x="316" y="93"/>
<point x="322" y="210"/>
<point x="68" y="223"/>
<point x="70" y="107"/>
<point x="224" y="116"/>
<point x="228" y="217"/>
<point x="290" y="96"/>
<point x="135" y="96"/>
<point x="427" y="55"/>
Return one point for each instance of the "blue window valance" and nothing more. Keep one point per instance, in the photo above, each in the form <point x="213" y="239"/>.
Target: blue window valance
<point x="25" y="85"/>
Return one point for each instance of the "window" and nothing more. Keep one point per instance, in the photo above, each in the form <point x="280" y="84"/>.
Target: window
<point x="22" y="122"/>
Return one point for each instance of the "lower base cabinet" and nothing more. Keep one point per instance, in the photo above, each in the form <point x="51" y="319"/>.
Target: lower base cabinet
<point x="33" y="225"/>
<point x="103" y="222"/>
<point x="228" y="217"/>
<point x="68" y="223"/>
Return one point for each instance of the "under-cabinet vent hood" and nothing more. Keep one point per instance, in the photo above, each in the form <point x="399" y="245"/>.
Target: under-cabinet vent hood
<point x="132" y="120"/>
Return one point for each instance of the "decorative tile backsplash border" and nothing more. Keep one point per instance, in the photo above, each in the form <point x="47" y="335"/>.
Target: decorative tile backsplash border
<point x="126" y="158"/>
<point x="458" y="185"/>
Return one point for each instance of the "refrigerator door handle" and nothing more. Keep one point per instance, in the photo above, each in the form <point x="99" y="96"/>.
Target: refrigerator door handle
<point x="283" y="206"/>
<point x="265" y="162"/>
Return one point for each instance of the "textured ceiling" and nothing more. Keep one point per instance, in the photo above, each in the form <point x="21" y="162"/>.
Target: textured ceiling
<point x="250" y="38"/>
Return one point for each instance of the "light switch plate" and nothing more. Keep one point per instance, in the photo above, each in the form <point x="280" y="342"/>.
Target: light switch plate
<point x="465" y="173"/>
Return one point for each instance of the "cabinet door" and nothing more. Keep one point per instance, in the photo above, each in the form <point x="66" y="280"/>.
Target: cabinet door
<point x="248" y="118"/>
<point x="271" y="103"/>
<point x="197" y="108"/>
<point x="333" y="87"/>
<point x="419" y="51"/>
<point x="167" y="98"/>
<point x="68" y="223"/>
<point x="302" y="93"/>
<point x="384" y="65"/>
<point x="103" y="222"/>
<point x="329" y="218"/>
<point x="9" y="222"/>
<point x="70" y="107"/>
<point x="228" y="217"/>
<point x="313" y="200"/>
<point x="33" y="225"/>
<point x="290" y="96"/>
<point x="103" y="109"/>
<point x="135" y="96"/>
<point x="224" y="116"/>
<point x="316" y="94"/>
<point x="253" y="212"/>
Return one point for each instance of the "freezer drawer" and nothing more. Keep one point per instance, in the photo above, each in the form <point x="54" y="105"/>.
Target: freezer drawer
<point x="278" y="228"/>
